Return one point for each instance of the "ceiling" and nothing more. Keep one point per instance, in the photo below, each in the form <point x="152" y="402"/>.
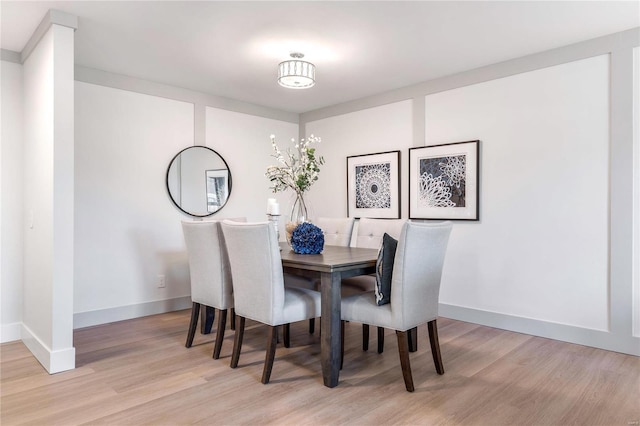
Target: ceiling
<point x="362" y="48"/>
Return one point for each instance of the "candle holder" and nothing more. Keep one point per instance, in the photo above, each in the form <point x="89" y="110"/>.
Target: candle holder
<point x="274" y="218"/>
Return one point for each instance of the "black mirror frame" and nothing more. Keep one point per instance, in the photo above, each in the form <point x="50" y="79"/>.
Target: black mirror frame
<point x="169" y="191"/>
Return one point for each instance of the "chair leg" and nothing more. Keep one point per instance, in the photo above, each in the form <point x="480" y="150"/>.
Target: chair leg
<point x="365" y="337"/>
<point x="195" y="312"/>
<point x="222" y="323"/>
<point x="208" y="315"/>
<point x="380" y="340"/>
<point x="312" y="325"/>
<point x="342" y="323"/>
<point x="237" y="342"/>
<point x="413" y="339"/>
<point x="271" y="354"/>
<point x="233" y="319"/>
<point x="435" y="346"/>
<point x="286" y="335"/>
<point x="403" y="349"/>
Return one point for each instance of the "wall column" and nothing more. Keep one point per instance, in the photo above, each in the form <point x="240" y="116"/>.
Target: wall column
<point x="47" y="323"/>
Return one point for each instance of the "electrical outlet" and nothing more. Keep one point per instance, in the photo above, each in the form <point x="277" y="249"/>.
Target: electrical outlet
<point x="161" y="281"/>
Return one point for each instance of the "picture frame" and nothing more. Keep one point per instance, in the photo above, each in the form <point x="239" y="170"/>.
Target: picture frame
<point x="217" y="187"/>
<point x="373" y="185"/>
<point x="444" y="181"/>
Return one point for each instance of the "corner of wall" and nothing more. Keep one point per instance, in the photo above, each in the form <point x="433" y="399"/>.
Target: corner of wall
<point x="10" y="332"/>
<point x="52" y="361"/>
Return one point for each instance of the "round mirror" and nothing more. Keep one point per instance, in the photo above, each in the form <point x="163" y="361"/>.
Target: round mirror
<point x="199" y="181"/>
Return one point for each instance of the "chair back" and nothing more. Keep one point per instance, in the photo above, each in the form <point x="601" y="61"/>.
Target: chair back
<point x="371" y="231"/>
<point x="337" y="230"/>
<point x="208" y="264"/>
<point x="256" y="267"/>
<point x="415" y="285"/>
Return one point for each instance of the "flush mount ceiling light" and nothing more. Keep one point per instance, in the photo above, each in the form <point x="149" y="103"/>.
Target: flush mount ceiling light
<point x="296" y="74"/>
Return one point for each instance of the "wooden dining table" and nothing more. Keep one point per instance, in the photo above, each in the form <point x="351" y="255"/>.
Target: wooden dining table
<point x="331" y="266"/>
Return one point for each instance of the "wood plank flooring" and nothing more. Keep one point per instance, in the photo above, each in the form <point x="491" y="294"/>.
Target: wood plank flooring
<point x="139" y="372"/>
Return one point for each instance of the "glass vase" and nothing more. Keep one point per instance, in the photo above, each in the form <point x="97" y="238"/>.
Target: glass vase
<point x="298" y="215"/>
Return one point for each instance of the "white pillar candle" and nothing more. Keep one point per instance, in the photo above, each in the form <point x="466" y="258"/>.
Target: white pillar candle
<point x="275" y="209"/>
<point x="270" y="203"/>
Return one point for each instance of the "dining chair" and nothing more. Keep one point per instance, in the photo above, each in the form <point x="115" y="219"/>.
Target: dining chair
<point x="415" y="288"/>
<point x="258" y="287"/>
<point x="211" y="285"/>
<point x="337" y="232"/>
<point x="369" y="235"/>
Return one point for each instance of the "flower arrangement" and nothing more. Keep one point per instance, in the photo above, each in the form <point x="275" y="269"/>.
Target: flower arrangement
<point x="307" y="239"/>
<point x="298" y="169"/>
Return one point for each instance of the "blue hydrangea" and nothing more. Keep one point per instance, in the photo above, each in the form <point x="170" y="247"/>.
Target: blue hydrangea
<point x="307" y="239"/>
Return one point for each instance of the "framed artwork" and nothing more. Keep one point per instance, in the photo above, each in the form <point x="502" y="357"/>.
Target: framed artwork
<point x="217" y="188"/>
<point x="444" y="181"/>
<point x="373" y="185"/>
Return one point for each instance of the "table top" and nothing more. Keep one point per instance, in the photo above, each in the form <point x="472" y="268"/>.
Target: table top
<point x="332" y="258"/>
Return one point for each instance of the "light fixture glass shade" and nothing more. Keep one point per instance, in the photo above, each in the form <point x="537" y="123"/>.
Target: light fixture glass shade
<point x="296" y="74"/>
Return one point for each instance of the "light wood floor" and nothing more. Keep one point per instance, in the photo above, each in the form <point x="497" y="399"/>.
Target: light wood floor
<point x="139" y="372"/>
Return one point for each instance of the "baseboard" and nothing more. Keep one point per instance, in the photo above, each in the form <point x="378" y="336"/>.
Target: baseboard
<point x="121" y="313"/>
<point x="10" y="332"/>
<point x="52" y="361"/>
<point x="563" y="332"/>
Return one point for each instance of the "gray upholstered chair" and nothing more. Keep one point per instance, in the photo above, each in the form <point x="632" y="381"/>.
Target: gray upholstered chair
<point x="210" y="276"/>
<point x="371" y="231"/>
<point x="369" y="235"/>
<point x="258" y="286"/>
<point x="337" y="232"/>
<point x="415" y="288"/>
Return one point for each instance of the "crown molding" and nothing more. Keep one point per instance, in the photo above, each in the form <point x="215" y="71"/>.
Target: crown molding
<point x="10" y="56"/>
<point x="585" y="49"/>
<point x="53" y="17"/>
<point x="201" y="100"/>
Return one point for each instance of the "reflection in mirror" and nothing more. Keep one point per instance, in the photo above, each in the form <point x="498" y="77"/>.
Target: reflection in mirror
<point x="199" y="181"/>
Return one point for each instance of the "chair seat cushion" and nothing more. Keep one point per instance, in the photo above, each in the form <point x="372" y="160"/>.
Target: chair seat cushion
<point x="363" y="308"/>
<point x="384" y="269"/>
<point x="299" y="304"/>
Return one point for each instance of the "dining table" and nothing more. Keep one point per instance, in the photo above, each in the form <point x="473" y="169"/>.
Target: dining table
<point x="332" y="265"/>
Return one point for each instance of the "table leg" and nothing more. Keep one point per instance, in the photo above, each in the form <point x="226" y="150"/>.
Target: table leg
<point x="207" y="316"/>
<point x="330" y="336"/>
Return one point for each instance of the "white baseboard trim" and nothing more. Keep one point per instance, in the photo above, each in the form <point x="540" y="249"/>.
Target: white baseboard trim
<point x="563" y="332"/>
<point x="10" y="332"/>
<point x="121" y="313"/>
<point x="566" y="333"/>
<point x="52" y="361"/>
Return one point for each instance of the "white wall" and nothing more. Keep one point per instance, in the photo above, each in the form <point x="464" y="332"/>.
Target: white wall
<point x="636" y="191"/>
<point x="540" y="249"/>
<point x="127" y="230"/>
<point x="380" y="129"/>
<point x="244" y="142"/>
<point x="47" y="318"/>
<point x="11" y="229"/>
<point x="552" y="253"/>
